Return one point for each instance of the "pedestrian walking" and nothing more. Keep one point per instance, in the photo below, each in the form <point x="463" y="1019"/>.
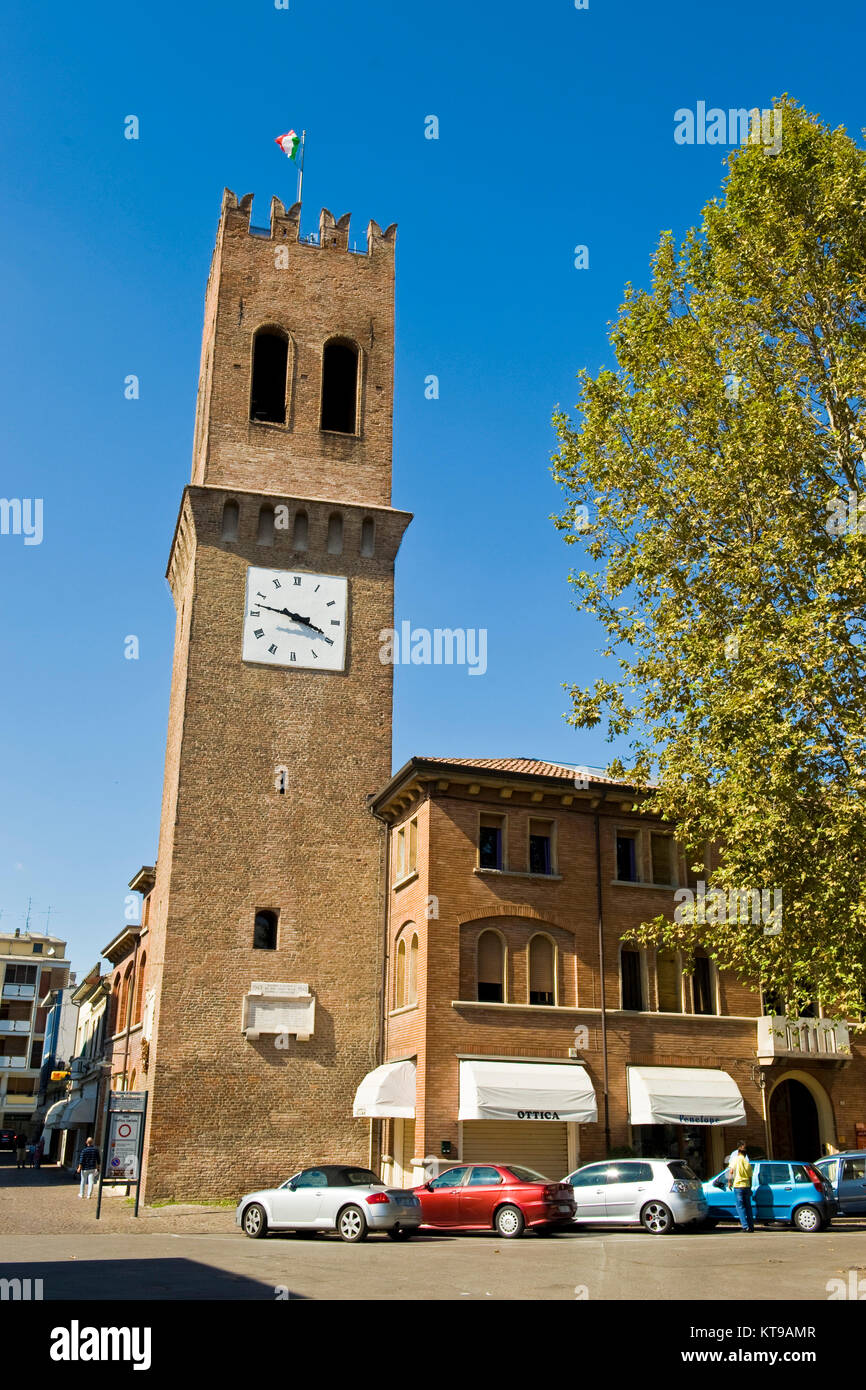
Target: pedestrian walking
<point x="20" y="1150"/>
<point x="31" y="1150"/>
<point x="88" y="1166"/>
<point x="741" y="1182"/>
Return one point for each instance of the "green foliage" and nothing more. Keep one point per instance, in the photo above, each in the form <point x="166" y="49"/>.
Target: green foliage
<point x="716" y="461"/>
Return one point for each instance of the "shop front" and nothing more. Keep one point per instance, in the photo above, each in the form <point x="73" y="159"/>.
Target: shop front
<point x="388" y="1093"/>
<point x="524" y="1112"/>
<point x="683" y="1112"/>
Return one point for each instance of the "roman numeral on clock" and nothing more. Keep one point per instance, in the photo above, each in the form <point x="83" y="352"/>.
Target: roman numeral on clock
<point x="272" y="649"/>
<point x="335" y="622"/>
<point x="254" y="613"/>
<point x="297" y="579"/>
<point x="259" y="632"/>
<point x="277" y="584"/>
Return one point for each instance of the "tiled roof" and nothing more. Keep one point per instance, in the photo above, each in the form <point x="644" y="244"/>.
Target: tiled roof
<point x="532" y="767"/>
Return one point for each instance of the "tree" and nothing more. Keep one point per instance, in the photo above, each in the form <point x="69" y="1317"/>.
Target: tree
<point x="721" y="466"/>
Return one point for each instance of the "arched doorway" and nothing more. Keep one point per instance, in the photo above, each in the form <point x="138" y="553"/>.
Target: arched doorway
<point x="795" y="1130"/>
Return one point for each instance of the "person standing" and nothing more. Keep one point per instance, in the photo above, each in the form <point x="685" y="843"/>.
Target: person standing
<point x="38" y="1152"/>
<point x="88" y="1166"/>
<point x="20" y="1151"/>
<point x="742" y="1184"/>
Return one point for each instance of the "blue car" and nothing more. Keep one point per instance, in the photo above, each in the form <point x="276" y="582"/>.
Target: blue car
<point x="846" y="1174"/>
<point x="782" y="1190"/>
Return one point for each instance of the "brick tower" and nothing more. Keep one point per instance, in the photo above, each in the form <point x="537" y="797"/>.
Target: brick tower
<point x="265" y="947"/>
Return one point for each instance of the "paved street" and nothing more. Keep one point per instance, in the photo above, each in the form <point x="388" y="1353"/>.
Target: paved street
<point x="197" y="1253"/>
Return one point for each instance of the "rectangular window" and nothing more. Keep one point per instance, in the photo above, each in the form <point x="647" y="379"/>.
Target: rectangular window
<point x="490" y="842"/>
<point x="400" y="855"/>
<point x="632" y="982"/>
<point x="413" y="844"/>
<point x="662" y="856"/>
<point x="21" y="974"/>
<point x="626" y="858"/>
<point x="540" y="847"/>
<point x="702" y="986"/>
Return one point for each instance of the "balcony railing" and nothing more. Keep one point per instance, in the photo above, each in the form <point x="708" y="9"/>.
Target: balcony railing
<point x="816" y="1038"/>
<point x="16" y="1098"/>
<point x="13" y="1062"/>
<point x="19" y="991"/>
<point x="14" y="1025"/>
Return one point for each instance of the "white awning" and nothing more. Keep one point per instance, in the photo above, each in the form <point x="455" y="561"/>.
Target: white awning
<point x="79" y="1112"/>
<point x="389" y="1090"/>
<point x="683" y="1096"/>
<point x="526" y="1091"/>
<point x="54" y="1115"/>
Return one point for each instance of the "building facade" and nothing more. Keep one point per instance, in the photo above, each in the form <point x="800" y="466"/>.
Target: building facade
<point x="31" y="966"/>
<point x="522" y="1027"/>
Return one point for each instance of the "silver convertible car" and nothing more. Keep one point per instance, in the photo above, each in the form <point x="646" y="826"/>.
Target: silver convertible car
<point x="335" y="1197"/>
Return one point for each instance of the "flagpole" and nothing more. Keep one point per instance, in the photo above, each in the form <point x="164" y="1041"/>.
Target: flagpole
<point x="301" y="167"/>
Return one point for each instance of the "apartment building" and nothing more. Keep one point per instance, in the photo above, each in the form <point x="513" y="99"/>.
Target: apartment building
<point x="520" y="1025"/>
<point x="32" y="964"/>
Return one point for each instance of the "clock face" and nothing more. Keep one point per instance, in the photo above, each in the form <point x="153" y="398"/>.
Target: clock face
<point x="295" y="619"/>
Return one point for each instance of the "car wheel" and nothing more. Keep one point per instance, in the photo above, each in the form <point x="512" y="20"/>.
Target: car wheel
<point x="401" y="1232"/>
<point x="807" y="1219"/>
<point x="509" y="1222"/>
<point x="657" y="1218"/>
<point x="351" y="1225"/>
<point x="255" y="1222"/>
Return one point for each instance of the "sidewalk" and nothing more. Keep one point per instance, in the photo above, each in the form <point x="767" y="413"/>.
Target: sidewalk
<point x="45" y="1201"/>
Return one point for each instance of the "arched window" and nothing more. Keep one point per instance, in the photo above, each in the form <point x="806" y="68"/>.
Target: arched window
<point x="335" y="534"/>
<point x="231" y="521"/>
<point x="632" y="978"/>
<point x="300" y="531"/>
<point x="368" y="536"/>
<point x="542" y="971"/>
<point x="400" y="975"/>
<point x="412" y="991"/>
<point x="265" y="534"/>
<point x="265" y="931"/>
<point x="124" y="999"/>
<point x="668" y="982"/>
<point x="139" y="992"/>
<point x="491" y="968"/>
<point x="340" y="387"/>
<point x="268" y="389"/>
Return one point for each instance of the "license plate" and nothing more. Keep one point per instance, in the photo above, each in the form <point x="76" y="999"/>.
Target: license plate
<point x="564" y="1206"/>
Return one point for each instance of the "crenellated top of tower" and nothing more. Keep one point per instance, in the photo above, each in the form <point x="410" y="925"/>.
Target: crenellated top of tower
<point x="285" y="226"/>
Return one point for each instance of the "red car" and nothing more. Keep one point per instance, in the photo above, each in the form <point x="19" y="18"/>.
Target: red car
<point x="503" y="1197"/>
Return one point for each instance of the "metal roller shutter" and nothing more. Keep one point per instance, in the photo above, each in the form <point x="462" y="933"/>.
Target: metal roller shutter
<point x="539" y="1144"/>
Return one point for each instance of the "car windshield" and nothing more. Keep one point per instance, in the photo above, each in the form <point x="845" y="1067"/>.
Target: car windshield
<point x="681" y="1170"/>
<point x="526" y="1174"/>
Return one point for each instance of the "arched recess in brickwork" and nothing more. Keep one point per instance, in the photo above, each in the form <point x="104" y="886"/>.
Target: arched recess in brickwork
<point x="341" y="360"/>
<point x="368" y="537"/>
<point x="265" y="532"/>
<point x="231" y="520"/>
<point x="335" y="534"/>
<point x="269" y="375"/>
<point x="300" y="531"/>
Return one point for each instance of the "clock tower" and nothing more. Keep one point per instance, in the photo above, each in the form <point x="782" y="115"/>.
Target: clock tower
<point x="266" y="928"/>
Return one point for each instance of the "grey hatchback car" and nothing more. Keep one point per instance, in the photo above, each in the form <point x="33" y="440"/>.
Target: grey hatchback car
<point x="656" y="1193"/>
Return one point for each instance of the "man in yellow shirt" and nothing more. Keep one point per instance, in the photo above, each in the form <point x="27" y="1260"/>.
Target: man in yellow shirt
<point x="740" y="1178"/>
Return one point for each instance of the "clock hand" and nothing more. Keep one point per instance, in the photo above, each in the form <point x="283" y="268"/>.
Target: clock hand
<point x="295" y="617"/>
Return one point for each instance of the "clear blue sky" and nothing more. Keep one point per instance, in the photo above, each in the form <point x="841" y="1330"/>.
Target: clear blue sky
<point x="556" y="129"/>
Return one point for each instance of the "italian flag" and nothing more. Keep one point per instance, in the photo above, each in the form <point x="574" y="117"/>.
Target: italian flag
<point x="290" y="144"/>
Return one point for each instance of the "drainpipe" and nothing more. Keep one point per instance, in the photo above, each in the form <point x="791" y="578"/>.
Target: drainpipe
<point x="604" y="1057"/>
<point x="380" y="1007"/>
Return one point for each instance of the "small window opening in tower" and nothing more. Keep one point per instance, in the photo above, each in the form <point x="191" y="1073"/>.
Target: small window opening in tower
<point x="301" y="531"/>
<point x="368" y="536"/>
<point x="265" y="533"/>
<point x="268" y="394"/>
<point x="265" y="931"/>
<point x="340" y="387"/>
